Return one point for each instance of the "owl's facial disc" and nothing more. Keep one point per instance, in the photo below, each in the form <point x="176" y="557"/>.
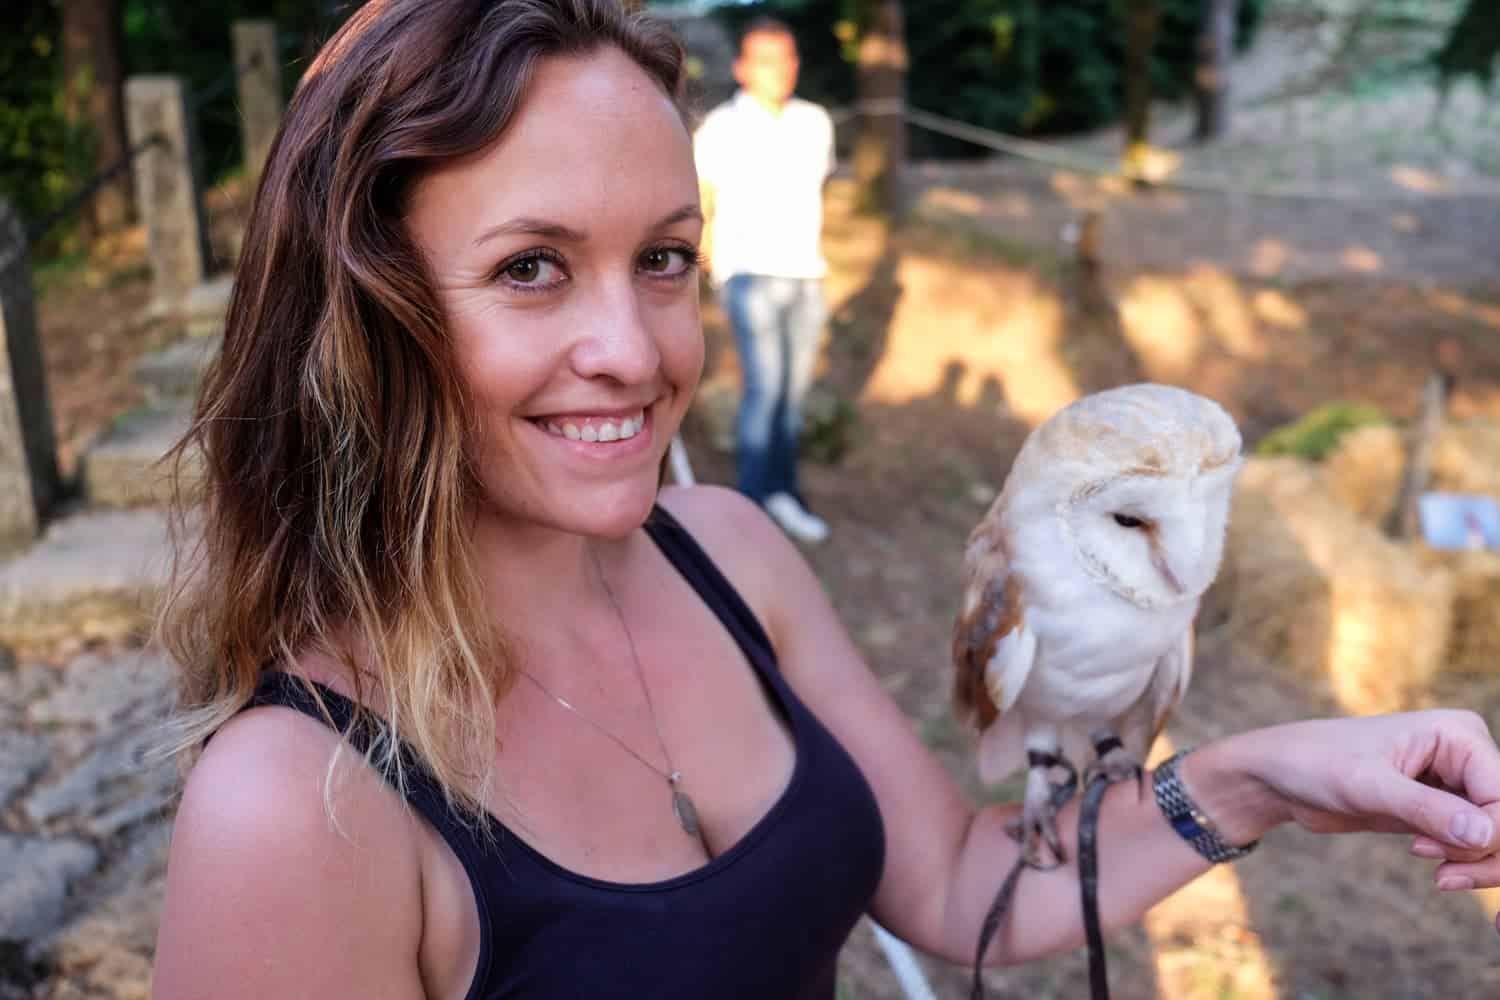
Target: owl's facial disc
<point x="1157" y="557"/>
<point x="1155" y="541"/>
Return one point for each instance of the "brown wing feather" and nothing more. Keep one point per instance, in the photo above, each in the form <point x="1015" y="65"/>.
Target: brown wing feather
<point x="990" y="611"/>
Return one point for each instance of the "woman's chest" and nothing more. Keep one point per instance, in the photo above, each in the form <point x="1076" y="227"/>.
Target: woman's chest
<point x="589" y="777"/>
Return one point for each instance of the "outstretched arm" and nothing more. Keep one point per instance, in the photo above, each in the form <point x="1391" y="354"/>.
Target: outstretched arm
<point x="944" y="860"/>
<point x="1434" y="774"/>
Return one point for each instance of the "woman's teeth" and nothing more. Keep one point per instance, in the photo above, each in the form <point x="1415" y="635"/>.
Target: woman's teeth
<point x="592" y="430"/>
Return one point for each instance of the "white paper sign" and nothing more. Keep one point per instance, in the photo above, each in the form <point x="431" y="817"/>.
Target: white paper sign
<point x="1459" y="521"/>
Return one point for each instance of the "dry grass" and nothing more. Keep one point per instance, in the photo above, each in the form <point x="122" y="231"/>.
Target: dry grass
<point x="1309" y="585"/>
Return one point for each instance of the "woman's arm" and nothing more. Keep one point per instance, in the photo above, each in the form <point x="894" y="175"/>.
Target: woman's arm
<point x="1338" y="775"/>
<point x="264" y="897"/>
<point x="945" y="862"/>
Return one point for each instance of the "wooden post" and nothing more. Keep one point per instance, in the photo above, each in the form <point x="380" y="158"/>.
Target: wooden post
<point x="1211" y="78"/>
<point x="1141" y="19"/>
<point x="167" y="186"/>
<point x="258" y="85"/>
<point x="880" y="149"/>
<point x="29" y="481"/>
<point x="1405" y="522"/>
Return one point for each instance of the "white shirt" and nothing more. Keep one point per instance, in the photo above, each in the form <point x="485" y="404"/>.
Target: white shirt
<point x="767" y="174"/>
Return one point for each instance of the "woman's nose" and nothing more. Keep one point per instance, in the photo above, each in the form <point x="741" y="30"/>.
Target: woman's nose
<point x="617" y="341"/>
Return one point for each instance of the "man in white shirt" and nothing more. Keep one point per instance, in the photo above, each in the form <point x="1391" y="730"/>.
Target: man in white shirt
<point x="762" y="159"/>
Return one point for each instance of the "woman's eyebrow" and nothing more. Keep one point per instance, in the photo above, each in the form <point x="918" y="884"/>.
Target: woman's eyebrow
<point x="532" y="227"/>
<point x="526" y="226"/>
<point x="683" y="214"/>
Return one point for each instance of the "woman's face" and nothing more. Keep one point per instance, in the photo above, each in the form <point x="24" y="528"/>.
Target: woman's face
<point x="565" y="258"/>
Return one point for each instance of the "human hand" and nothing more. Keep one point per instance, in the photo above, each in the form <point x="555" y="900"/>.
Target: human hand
<point x="1434" y="774"/>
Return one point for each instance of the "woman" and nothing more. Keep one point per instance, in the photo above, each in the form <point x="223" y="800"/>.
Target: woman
<point x="606" y="747"/>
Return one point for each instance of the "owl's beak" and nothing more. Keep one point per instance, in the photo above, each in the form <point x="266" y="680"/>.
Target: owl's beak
<point x="1160" y="562"/>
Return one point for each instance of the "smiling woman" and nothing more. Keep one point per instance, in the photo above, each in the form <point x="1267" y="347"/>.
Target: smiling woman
<point x="570" y="304"/>
<point x="464" y="330"/>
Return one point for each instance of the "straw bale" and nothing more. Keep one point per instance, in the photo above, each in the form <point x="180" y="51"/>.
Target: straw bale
<point x="1308" y="584"/>
<point x="1363" y="473"/>
<point x="1474" y="645"/>
<point x="1467" y="458"/>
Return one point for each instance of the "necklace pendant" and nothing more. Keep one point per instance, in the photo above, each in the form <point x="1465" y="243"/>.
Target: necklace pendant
<point x="686" y="813"/>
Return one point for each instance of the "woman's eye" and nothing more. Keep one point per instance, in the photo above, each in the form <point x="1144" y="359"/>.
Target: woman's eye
<point x="667" y="261"/>
<point x="1126" y="521"/>
<point x="531" y="270"/>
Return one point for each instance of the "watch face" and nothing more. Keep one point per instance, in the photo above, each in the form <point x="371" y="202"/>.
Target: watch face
<point x="1187" y="828"/>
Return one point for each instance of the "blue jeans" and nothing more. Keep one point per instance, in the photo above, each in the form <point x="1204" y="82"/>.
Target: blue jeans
<point x="778" y="325"/>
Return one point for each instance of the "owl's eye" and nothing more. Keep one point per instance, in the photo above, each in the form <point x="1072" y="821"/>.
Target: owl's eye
<point x="1126" y="521"/>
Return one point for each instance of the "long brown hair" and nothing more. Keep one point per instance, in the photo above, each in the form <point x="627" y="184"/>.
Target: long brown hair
<point x="335" y="493"/>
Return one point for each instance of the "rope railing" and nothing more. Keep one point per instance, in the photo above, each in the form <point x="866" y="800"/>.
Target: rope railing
<point x="1049" y="155"/>
<point x="38" y="229"/>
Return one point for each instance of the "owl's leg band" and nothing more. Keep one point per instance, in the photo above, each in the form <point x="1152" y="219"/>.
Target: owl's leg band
<point x="1114" y="761"/>
<point x="1062" y="790"/>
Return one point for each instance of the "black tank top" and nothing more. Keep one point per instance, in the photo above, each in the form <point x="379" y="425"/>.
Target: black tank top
<point x="764" y="920"/>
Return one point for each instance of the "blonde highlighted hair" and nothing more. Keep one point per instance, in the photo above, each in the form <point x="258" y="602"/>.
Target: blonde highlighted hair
<point x="333" y="509"/>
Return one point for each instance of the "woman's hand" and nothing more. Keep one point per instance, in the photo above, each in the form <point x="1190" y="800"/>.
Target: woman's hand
<point x="1434" y="774"/>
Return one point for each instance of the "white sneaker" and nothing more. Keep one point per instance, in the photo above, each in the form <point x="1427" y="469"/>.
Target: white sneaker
<point x="795" y="519"/>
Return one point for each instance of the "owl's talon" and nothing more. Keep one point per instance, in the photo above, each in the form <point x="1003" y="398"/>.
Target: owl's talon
<point x="1036" y="827"/>
<point x="1034" y="838"/>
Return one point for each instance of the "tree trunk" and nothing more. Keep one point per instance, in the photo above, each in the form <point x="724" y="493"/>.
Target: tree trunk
<point x="1141" y="18"/>
<point x="94" y="99"/>
<point x="880" y="148"/>
<point x="1211" y="81"/>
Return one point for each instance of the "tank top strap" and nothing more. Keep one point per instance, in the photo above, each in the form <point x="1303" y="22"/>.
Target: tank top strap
<point x="708" y="581"/>
<point x="333" y="709"/>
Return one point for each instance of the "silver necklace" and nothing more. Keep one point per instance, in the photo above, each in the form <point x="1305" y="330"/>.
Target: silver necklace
<point x="682" y="806"/>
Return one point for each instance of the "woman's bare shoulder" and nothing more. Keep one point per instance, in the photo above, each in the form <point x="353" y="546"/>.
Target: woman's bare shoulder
<point x="746" y="545"/>
<point x="730" y="526"/>
<point x="703" y="506"/>
<point x="276" y="757"/>
<point x="260" y="867"/>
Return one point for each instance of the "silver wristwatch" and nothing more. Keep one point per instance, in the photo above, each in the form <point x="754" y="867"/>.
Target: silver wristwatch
<point x="1187" y="819"/>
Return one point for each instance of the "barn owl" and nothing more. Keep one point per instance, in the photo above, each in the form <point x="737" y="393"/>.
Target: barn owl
<point x="1080" y="586"/>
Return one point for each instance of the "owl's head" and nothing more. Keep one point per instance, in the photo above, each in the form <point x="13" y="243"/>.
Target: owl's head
<point x="1141" y="478"/>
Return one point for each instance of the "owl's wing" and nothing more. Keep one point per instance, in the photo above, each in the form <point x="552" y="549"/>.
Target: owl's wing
<point x="993" y="650"/>
<point x="1170" y="682"/>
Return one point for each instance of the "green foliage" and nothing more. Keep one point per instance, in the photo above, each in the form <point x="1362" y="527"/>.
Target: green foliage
<point x="43" y="161"/>
<point x="1018" y="66"/>
<point x="1318" y="431"/>
<point x="39" y="154"/>
<point x="1472" y="46"/>
<point x="831" y="424"/>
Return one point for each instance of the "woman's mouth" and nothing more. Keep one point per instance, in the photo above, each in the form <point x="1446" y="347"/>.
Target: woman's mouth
<point x="577" y="427"/>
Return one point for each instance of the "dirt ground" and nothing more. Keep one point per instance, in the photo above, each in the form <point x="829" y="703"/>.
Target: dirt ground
<point x="952" y="346"/>
<point x="949" y="342"/>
